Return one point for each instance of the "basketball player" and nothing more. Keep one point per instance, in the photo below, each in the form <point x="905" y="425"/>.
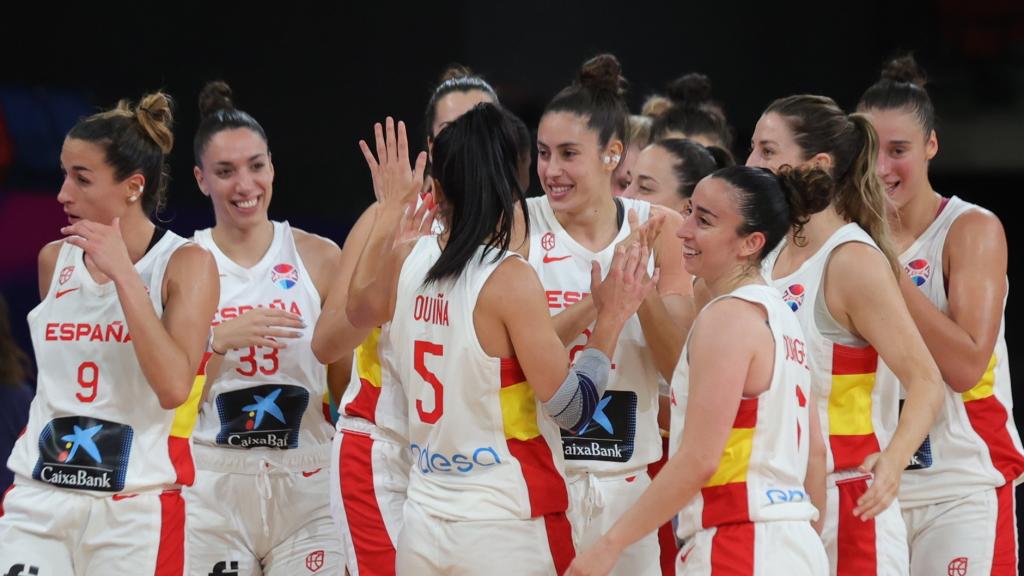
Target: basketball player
<point x="838" y="275"/>
<point x="262" y="443"/>
<point x="957" y="494"/>
<point x="118" y="337"/>
<point x="740" y="468"/>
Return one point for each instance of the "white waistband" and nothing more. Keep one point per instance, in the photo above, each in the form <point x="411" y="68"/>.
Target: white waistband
<point x="253" y="461"/>
<point x="364" y="426"/>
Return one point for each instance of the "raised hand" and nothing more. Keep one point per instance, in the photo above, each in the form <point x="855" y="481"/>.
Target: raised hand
<point x="103" y="244"/>
<point x="395" y="182"/>
<point x="627" y="283"/>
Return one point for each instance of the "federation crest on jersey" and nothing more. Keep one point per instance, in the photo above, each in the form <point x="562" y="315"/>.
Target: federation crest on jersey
<point x="919" y="271"/>
<point x="547" y="241"/>
<point x="65" y="274"/>
<point x="794" y="296"/>
<point x="284" y="276"/>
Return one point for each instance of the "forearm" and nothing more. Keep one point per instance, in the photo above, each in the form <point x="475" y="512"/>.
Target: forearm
<point x="334" y="336"/>
<point x="166" y="365"/>
<point x="923" y="402"/>
<point x="664" y="337"/>
<point x="367" y="304"/>
<point x="961" y="359"/>
<point x="572" y="321"/>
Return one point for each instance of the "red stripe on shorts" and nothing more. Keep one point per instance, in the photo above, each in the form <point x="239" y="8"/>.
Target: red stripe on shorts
<point x="732" y="550"/>
<point x="375" y="553"/>
<point x="1004" y="558"/>
<point x="855" y="539"/>
<point x="666" y="537"/>
<point x="170" y="556"/>
<point x="559" y="540"/>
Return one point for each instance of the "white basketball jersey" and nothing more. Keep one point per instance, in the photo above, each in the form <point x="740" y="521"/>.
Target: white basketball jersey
<point x="623" y="435"/>
<point x="858" y="415"/>
<point x="973" y="443"/>
<point x="760" y="477"/>
<point x="481" y="445"/>
<point x="266" y="399"/>
<point x="95" y="423"/>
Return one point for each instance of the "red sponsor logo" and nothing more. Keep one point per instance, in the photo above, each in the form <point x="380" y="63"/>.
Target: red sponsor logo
<point x="547" y="241"/>
<point x="310" y="473"/>
<point x="564" y="298"/>
<point x="957" y="567"/>
<point x="65" y="274"/>
<point x="315" y="560"/>
<point x="796" y="350"/>
<point x="74" y="332"/>
<point x="550" y="259"/>
<point x="68" y="291"/>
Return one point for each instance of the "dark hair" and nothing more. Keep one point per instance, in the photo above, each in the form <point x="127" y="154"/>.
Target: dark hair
<point x="523" y="140"/>
<point x="135" y="140"/>
<point x="217" y="112"/>
<point x="475" y="163"/>
<point x="773" y="204"/>
<point x="901" y="87"/>
<point x="455" y="78"/>
<point x="820" y="126"/>
<point x="597" y="95"/>
<point x="693" y="162"/>
<point x="15" y="367"/>
<point x="693" y="112"/>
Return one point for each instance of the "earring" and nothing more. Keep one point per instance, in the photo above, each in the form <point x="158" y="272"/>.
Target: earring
<point x="607" y="159"/>
<point x="616" y="158"/>
<point x="133" y="198"/>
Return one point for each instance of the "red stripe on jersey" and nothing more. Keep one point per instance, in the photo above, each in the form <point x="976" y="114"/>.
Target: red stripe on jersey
<point x="327" y="412"/>
<point x="746" y="415"/>
<point x="732" y="550"/>
<point x="544" y="484"/>
<point x="180" y="452"/>
<point x="170" y="556"/>
<point x="559" y="540"/>
<point x="847" y="360"/>
<point x="988" y="417"/>
<point x="725" y="504"/>
<point x="850" y="451"/>
<point x="375" y="553"/>
<point x="855" y="540"/>
<point x="511" y="372"/>
<point x="4" y="498"/>
<point x="203" y="363"/>
<point x="1004" y="559"/>
<point x="364" y="405"/>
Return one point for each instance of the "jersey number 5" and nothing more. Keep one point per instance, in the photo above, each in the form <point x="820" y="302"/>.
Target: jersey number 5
<point x="421" y="349"/>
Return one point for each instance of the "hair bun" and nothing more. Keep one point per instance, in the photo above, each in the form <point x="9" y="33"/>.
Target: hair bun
<point x="454" y="70"/>
<point x="154" y="114"/>
<point x="905" y="69"/>
<point x="215" y="96"/>
<point x="603" y="72"/>
<point x="692" y="89"/>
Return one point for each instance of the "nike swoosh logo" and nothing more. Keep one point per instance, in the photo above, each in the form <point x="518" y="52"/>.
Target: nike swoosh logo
<point x="308" y="474"/>
<point x="119" y="497"/>
<point x="550" y="259"/>
<point x="63" y="292"/>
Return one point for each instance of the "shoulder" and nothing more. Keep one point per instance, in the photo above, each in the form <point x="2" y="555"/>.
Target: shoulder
<point x="513" y="281"/>
<point x="315" y="250"/>
<point x="975" y="225"/>
<point x="48" y="254"/>
<point x="728" y="324"/>
<point x="191" y="259"/>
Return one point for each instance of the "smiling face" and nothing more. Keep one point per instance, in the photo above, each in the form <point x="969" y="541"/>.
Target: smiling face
<point x="90" y="189"/>
<point x="571" y="162"/>
<point x="903" y="153"/>
<point x="238" y="176"/>
<point x="712" y="246"/>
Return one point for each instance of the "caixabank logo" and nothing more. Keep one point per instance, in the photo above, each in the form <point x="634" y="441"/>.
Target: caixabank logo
<point x="610" y="434"/>
<point x="85" y="453"/>
<point x="265" y="416"/>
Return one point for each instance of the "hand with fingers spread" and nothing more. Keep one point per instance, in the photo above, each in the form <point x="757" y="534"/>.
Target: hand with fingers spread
<point x="103" y="244"/>
<point x="415" y="223"/>
<point x="645" y="234"/>
<point x="256" y="327"/>
<point x="884" y="485"/>
<point x="395" y="182"/>
<point x="626" y="285"/>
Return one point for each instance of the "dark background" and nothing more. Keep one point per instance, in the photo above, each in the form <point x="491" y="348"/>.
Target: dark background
<point x="317" y="78"/>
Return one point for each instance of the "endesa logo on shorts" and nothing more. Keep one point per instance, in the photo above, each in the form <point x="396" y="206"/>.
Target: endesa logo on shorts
<point x="265" y="416"/>
<point x="609" y="435"/>
<point x="465" y="462"/>
<point x="85" y="453"/>
<point x="784" y="495"/>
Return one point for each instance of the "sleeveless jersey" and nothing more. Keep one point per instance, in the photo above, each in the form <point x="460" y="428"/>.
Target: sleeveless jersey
<point x="623" y="436"/>
<point x="95" y="423"/>
<point x="760" y="477"/>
